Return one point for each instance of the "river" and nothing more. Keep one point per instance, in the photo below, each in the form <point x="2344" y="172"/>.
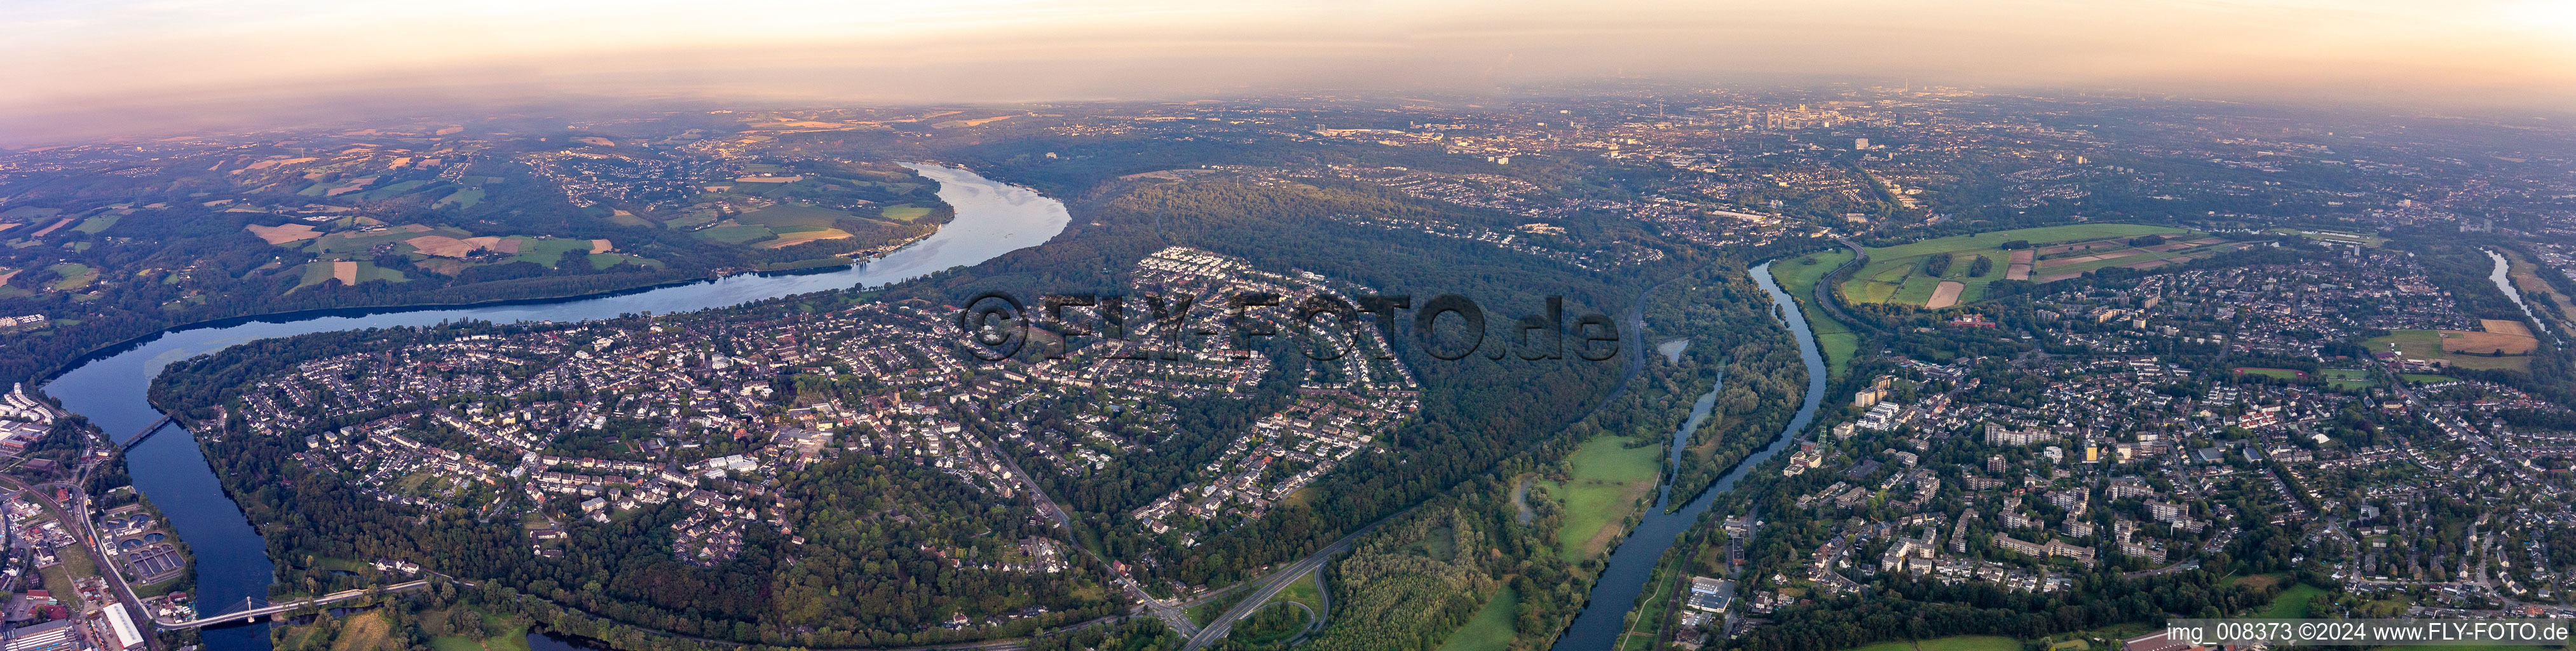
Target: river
<point x="2502" y="276"/>
<point x="232" y="562"/>
<point x="1632" y="564"/>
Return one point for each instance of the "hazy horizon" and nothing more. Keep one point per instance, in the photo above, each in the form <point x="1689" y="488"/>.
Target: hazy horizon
<point x="135" y="67"/>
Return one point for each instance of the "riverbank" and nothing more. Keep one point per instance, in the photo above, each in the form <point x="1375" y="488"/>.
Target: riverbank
<point x="1631" y="566"/>
<point x="110" y="388"/>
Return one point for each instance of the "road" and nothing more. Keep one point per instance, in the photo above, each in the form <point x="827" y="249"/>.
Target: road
<point x="1174" y="613"/>
<point x="1171" y="614"/>
<point x="79" y="511"/>
<point x="1633" y="345"/>
<point x="1268" y="586"/>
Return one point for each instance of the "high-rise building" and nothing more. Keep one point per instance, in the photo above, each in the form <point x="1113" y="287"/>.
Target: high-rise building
<point x="1860" y="143"/>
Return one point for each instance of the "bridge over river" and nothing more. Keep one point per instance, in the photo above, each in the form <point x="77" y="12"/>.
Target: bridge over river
<point x="253" y="614"/>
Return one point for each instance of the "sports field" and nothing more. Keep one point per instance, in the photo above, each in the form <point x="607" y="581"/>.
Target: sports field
<point x="2274" y="373"/>
<point x="2347" y="379"/>
<point x="1906" y="274"/>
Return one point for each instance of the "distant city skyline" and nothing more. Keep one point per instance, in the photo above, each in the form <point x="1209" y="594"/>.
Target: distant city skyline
<point x="86" y="67"/>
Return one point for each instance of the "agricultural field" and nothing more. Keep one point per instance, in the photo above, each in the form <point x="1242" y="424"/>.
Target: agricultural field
<point x="2436" y="344"/>
<point x="346" y="272"/>
<point x="2499" y="337"/>
<point x="1605" y="481"/>
<point x="283" y="234"/>
<point x="1953" y="271"/>
<point x="361" y="241"/>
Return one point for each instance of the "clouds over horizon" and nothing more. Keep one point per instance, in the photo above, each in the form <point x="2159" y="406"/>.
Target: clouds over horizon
<point x="83" y="66"/>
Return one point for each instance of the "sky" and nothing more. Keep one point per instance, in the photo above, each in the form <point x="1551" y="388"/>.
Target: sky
<point x="96" y="66"/>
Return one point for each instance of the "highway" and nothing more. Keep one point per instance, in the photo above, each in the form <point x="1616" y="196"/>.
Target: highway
<point x="1268" y="586"/>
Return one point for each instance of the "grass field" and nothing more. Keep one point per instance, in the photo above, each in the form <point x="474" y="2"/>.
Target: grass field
<point x="2427" y="344"/>
<point x="1606" y="481"/>
<point x="2345" y="378"/>
<point x="692" y="220"/>
<point x="904" y="212"/>
<point x="1648" y="617"/>
<point x="358" y="241"/>
<point x="1303" y="591"/>
<point x="2292" y="603"/>
<point x="736" y="234"/>
<point x="322" y="271"/>
<point x="1833" y="338"/>
<point x="1207" y="612"/>
<point x="1895" y="274"/>
<point x="461" y="198"/>
<point x="391" y="191"/>
<point x="2426" y="378"/>
<point x="368" y="271"/>
<point x="781" y="217"/>
<point x="548" y="252"/>
<point x="795" y="237"/>
<point x="75" y="276"/>
<point x="606" y="260"/>
<point x="1491" y="629"/>
<point x="362" y="632"/>
<point x="94" y="225"/>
